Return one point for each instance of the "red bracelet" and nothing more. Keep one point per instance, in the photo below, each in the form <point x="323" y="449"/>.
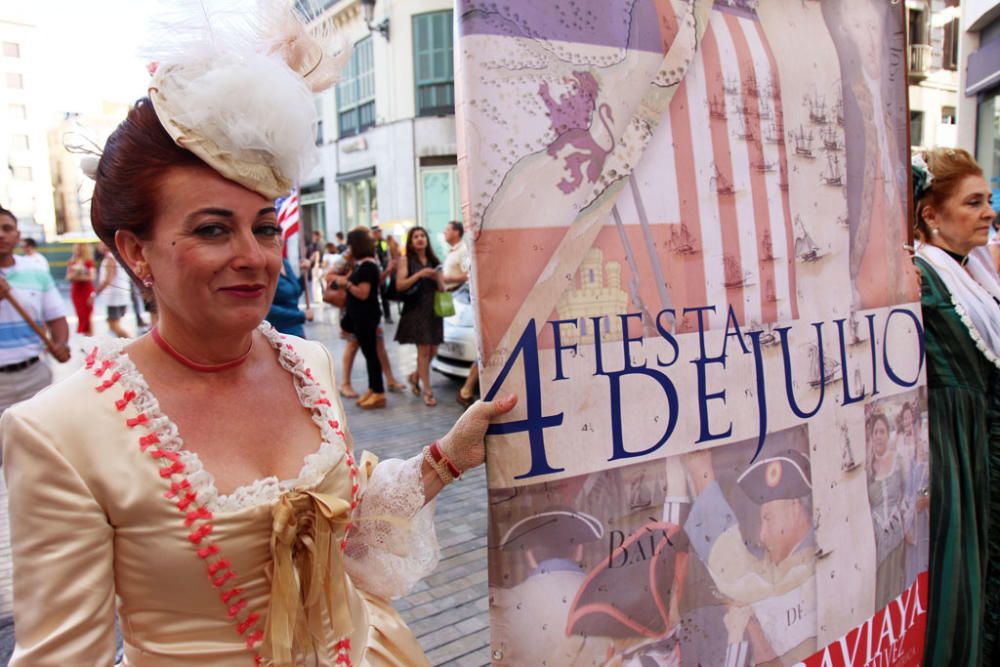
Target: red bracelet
<point x="439" y="456"/>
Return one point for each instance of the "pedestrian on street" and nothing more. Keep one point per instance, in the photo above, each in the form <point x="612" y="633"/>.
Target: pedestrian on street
<point x="150" y="478"/>
<point x="419" y="324"/>
<point x="23" y="373"/>
<point x="456" y="274"/>
<point x="961" y="320"/>
<point x="363" y="312"/>
<point x="284" y="314"/>
<point x="31" y="255"/>
<point x="81" y="272"/>
<point x="340" y="244"/>
<point x="116" y="288"/>
<point x="388" y="266"/>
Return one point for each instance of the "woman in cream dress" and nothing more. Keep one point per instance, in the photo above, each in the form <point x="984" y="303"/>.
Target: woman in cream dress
<point x="201" y="480"/>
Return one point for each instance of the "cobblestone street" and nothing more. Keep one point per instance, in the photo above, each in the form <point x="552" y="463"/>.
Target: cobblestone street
<point x="448" y="610"/>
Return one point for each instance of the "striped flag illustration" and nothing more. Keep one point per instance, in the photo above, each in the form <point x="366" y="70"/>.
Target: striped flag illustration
<point x="288" y="220"/>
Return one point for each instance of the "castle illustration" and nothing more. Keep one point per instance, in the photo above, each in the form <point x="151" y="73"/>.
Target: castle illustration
<point x="597" y="293"/>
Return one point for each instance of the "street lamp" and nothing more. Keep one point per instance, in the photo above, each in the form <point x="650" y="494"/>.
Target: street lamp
<point x="368" y="7"/>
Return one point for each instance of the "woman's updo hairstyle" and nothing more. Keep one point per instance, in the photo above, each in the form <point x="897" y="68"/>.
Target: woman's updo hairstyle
<point x="947" y="167"/>
<point x="127" y="184"/>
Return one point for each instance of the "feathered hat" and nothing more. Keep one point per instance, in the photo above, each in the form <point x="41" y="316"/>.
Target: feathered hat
<point x="235" y="87"/>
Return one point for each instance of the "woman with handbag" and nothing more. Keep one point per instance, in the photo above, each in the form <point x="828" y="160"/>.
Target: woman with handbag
<point x="419" y="324"/>
<point x="363" y="311"/>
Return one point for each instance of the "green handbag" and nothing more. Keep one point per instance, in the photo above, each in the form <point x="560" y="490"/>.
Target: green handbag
<point x="444" y="306"/>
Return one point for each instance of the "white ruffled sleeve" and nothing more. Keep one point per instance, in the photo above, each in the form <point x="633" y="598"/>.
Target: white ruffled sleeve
<point x="393" y="543"/>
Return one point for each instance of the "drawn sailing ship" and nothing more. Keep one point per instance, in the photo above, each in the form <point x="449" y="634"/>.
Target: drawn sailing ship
<point x="639" y="496"/>
<point x="847" y="460"/>
<point x="842" y="221"/>
<point x="838" y="110"/>
<point x="717" y="108"/>
<point x="731" y="86"/>
<point x="854" y="337"/>
<point x="831" y="139"/>
<point x="817" y="109"/>
<point x="681" y="241"/>
<point x="830" y="370"/>
<point x="766" y="247"/>
<point x="768" y="337"/>
<point x="769" y="294"/>
<point x="805" y="248"/>
<point x="721" y="185"/>
<point x="750" y="87"/>
<point x="763" y="166"/>
<point x="831" y="175"/>
<point x="764" y="111"/>
<point x="744" y="130"/>
<point x="774" y="134"/>
<point x="733" y="276"/>
<point x="803" y="143"/>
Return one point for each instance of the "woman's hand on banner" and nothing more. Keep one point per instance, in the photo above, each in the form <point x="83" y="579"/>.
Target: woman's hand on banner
<point x="463" y="444"/>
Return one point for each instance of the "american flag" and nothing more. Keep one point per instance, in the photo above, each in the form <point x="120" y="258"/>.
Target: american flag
<point x="288" y="220"/>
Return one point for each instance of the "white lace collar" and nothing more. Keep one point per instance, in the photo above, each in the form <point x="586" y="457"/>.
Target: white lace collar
<point x="111" y="355"/>
<point x="974" y="291"/>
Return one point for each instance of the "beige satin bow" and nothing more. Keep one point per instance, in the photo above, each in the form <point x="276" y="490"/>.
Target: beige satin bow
<point x="304" y="577"/>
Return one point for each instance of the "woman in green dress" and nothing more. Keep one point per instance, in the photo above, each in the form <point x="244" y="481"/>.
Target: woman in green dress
<point x="959" y="298"/>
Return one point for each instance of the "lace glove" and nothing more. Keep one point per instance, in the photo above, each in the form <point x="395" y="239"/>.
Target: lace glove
<point x="463" y="445"/>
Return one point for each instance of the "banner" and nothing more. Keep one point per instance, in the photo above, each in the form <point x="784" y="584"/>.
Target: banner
<point x="688" y="222"/>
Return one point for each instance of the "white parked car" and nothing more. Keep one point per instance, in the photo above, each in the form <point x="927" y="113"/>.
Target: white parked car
<point x="457" y="353"/>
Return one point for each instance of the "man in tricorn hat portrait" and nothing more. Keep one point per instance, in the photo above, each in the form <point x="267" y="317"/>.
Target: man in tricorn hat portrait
<point x="533" y="630"/>
<point x="772" y="594"/>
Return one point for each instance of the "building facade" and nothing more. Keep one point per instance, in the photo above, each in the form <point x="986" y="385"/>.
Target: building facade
<point x="73" y="136"/>
<point x="979" y="104"/>
<point x="933" y="36"/>
<point x="387" y="131"/>
<point x="25" y="184"/>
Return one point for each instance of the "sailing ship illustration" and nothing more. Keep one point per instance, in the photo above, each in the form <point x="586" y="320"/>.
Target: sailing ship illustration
<point x="721" y="185"/>
<point x="744" y="130"/>
<point x="639" y="496"/>
<point x="766" y="247"/>
<point x="832" y="174"/>
<point x="717" y="108"/>
<point x="854" y="337"/>
<point x="838" y="110"/>
<point x="763" y="166"/>
<point x="805" y="248"/>
<point x="769" y="294"/>
<point x="750" y="88"/>
<point x="768" y="336"/>
<point x="831" y="139"/>
<point x="817" y="109"/>
<point x="731" y="86"/>
<point x="733" y="276"/>
<point x="847" y="460"/>
<point x="681" y="241"/>
<point x="774" y="134"/>
<point x="764" y="110"/>
<point x="842" y="221"/>
<point x="803" y="142"/>
<point x="830" y="371"/>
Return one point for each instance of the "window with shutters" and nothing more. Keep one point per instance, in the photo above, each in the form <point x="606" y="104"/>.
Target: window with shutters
<point x="949" y="50"/>
<point x="433" y="64"/>
<point x="356" y="91"/>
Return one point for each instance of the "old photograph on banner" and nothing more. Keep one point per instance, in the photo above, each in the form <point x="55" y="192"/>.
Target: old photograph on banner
<point x="688" y="222"/>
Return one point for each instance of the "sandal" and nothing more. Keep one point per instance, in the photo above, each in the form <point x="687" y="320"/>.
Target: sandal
<point x="414" y="383"/>
<point x="396" y="387"/>
<point x="465" y="401"/>
<point x="429" y="400"/>
<point x="347" y="391"/>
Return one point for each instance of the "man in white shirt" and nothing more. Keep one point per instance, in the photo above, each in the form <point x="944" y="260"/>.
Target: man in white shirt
<point x="22" y="372"/>
<point x="456" y="264"/>
<point x="32" y="256"/>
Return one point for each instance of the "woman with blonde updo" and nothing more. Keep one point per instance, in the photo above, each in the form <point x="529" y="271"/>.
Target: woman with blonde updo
<point x="959" y="298"/>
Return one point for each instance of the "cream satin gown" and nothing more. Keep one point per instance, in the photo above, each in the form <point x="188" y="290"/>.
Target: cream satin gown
<point x="109" y="510"/>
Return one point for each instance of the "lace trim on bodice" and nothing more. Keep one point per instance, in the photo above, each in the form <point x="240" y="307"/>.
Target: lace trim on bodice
<point x="267" y="490"/>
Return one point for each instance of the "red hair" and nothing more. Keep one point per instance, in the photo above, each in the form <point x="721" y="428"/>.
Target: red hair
<point x="135" y="159"/>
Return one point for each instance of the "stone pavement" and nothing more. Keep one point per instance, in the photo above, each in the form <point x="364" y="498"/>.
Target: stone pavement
<point x="448" y="610"/>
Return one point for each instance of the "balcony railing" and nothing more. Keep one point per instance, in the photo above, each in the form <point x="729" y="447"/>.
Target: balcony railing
<point x="920" y="61"/>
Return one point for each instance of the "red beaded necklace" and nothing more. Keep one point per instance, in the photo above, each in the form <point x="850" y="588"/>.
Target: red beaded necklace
<point x="194" y="365"/>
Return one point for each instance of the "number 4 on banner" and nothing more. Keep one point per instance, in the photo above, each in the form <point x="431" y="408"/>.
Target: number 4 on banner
<point x="535" y="422"/>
